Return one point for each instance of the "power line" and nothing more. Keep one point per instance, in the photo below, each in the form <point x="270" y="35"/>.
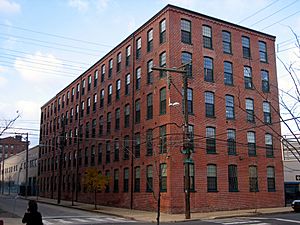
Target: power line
<point x="273" y="13"/>
<point x="55" y="35"/>
<point x="281" y="20"/>
<point x="267" y="6"/>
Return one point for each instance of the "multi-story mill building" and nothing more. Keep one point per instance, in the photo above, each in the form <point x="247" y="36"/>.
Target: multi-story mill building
<point x="126" y="119"/>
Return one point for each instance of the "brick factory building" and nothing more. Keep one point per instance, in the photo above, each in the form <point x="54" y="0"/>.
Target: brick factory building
<point x="127" y="120"/>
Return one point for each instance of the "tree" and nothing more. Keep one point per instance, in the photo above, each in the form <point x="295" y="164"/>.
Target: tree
<point x="94" y="182"/>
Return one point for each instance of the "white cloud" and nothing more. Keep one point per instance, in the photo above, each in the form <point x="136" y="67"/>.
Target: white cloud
<point x="28" y="109"/>
<point x="102" y="4"/>
<point x="80" y="5"/>
<point x="3" y="81"/>
<point x="131" y="25"/>
<point x="7" y="6"/>
<point x="35" y="68"/>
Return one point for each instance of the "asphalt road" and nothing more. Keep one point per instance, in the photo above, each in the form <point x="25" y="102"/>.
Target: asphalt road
<point x="14" y="209"/>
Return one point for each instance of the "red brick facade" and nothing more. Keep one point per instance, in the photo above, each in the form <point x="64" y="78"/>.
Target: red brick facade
<point x="211" y="190"/>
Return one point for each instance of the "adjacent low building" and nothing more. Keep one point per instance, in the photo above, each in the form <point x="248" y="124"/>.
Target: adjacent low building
<point x="126" y="120"/>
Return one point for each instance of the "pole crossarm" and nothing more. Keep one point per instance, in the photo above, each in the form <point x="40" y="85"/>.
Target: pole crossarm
<point x="176" y="70"/>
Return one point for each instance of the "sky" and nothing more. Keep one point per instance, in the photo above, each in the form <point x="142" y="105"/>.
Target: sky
<point x="65" y="37"/>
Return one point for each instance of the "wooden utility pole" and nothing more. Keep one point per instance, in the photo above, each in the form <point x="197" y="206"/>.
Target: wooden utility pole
<point x="62" y="146"/>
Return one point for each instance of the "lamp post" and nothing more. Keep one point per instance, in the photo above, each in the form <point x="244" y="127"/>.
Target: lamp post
<point x="186" y="147"/>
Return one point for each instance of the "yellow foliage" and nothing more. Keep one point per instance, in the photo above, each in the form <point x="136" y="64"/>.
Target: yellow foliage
<point x="94" y="181"/>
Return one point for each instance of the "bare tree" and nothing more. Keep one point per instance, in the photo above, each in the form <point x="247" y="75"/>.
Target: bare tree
<point x="8" y="123"/>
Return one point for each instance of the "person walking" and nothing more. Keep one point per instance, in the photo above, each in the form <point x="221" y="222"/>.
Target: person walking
<point x="32" y="216"/>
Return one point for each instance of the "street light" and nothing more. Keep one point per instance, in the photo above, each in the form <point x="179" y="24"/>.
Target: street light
<point x="186" y="147"/>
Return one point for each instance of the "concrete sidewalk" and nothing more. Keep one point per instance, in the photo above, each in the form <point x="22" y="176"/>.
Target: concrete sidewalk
<point x="151" y="216"/>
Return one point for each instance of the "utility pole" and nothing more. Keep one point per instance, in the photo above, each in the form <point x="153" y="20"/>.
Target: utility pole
<point x="186" y="146"/>
<point x="2" y="171"/>
<point x="62" y="145"/>
<point x="26" y="170"/>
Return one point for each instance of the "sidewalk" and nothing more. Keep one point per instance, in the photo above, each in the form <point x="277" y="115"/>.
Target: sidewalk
<point x="164" y="217"/>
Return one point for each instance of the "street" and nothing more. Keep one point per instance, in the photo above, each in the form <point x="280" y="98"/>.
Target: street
<point x="12" y="210"/>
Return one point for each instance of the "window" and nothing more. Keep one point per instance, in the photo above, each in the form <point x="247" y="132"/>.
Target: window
<point x="191" y="176"/>
<point x="95" y="102"/>
<point x="77" y="91"/>
<point x="207" y="37"/>
<point x="246" y="47"/>
<point x="263" y="57"/>
<point x="232" y="178"/>
<point x="127" y="84"/>
<point x="210" y="140"/>
<point x="119" y="59"/>
<point x="271" y="178"/>
<point x="149" y="72"/>
<point x="228" y="74"/>
<point x="86" y="157"/>
<point x="269" y="145"/>
<point x="89" y="82"/>
<point x="209" y="104"/>
<point x="137" y="152"/>
<point x="116" y="150"/>
<point x="82" y="109"/>
<point x="83" y="87"/>
<point x="186" y="35"/>
<point x="118" y="89"/>
<point x="126" y="180"/>
<point x="265" y="81"/>
<point x="93" y="155"/>
<point x="101" y="98"/>
<point x="163" y="177"/>
<point x="94" y="124"/>
<point x="229" y="107"/>
<point x="138" y="48"/>
<point x="211" y="178"/>
<point x="149" y="142"/>
<point x="117" y="119"/>
<point x="231" y="142"/>
<point x="126" y="147"/>
<point x="162" y="31"/>
<point x="128" y="52"/>
<point x="208" y="69"/>
<point x="248" y="77"/>
<point x="253" y="180"/>
<point x="101" y="124"/>
<point x="190" y="100"/>
<point x="162" y="63"/>
<point x="162" y="139"/>
<point x="267" y="112"/>
<point x="107" y="152"/>
<point x="116" y="180"/>
<point x="226" y="38"/>
<point x="250" y="110"/>
<point x="88" y="106"/>
<point x="186" y="58"/>
<point x="150" y="40"/>
<point x="107" y="174"/>
<point x="110" y="68"/>
<point x="109" y="95"/>
<point x="137" y="111"/>
<point x="251" y="143"/>
<point x="149" y="178"/>
<point x="108" y="123"/>
<point x="137" y="179"/>
<point x="102" y="73"/>
<point x="191" y="137"/>
<point x="95" y="78"/>
<point x="99" y="154"/>
<point x="138" y="78"/>
<point x="126" y="115"/>
<point x="162" y="101"/>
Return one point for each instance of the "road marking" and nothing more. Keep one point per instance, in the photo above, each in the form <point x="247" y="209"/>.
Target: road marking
<point x="286" y="220"/>
<point x="62" y="221"/>
<point x="241" y="222"/>
<point x="97" y="219"/>
<point x="45" y="222"/>
<point x="80" y="220"/>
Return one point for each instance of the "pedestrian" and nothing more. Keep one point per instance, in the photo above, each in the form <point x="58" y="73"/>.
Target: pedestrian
<point x="32" y="216"/>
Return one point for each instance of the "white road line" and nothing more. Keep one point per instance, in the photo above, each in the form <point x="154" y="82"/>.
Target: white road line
<point x="241" y="222"/>
<point x="118" y="220"/>
<point x="62" y="221"/>
<point x="286" y="220"/>
<point x="80" y="220"/>
<point x="45" y="222"/>
<point x="97" y="219"/>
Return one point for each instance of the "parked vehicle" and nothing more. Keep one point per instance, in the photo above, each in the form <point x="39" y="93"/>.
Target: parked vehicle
<point x="296" y="205"/>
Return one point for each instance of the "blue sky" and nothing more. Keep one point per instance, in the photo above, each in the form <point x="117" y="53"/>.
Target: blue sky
<point x="65" y="37"/>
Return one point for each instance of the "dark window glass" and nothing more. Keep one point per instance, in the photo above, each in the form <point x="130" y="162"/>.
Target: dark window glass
<point x="231" y="142"/>
<point x="117" y="119"/>
<point x="137" y="152"/>
<point x="209" y="104"/>
<point x="128" y="53"/>
<point x="100" y="154"/>
<point x="138" y="48"/>
<point x="119" y="60"/>
<point x="116" y="150"/>
<point x="149" y="106"/>
<point x="150" y="40"/>
<point x="126" y="180"/>
<point x="126" y="148"/>
<point x="250" y="110"/>
<point x="251" y="143"/>
<point x="208" y="69"/>
<point x="127" y="84"/>
<point x="265" y="81"/>
<point x="163" y="139"/>
<point x="162" y="101"/>
<point x="116" y="180"/>
<point x="149" y="72"/>
<point x="127" y="115"/>
<point x="149" y="178"/>
<point x="269" y="145"/>
<point x="137" y="111"/>
<point x="138" y="78"/>
<point x="263" y="51"/>
<point x="186" y="35"/>
<point x="232" y="178"/>
<point x="207" y="37"/>
<point x="102" y="73"/>
<point x="226" y="38"/>
<point x="163" y="177"/>
<point x="190" y="100"/>
<point x="271" y="178"/>
<point x="162" y="31"/>
<point x="162" y="63"/>
<point x="248" y="77"/>
<point x="253" y="179"/>
<point x="149" y="142"/>
<point x="137" y="179"/>
<point x="110" y="68"/>
<point x="246" y="47"/>
<point x="267" y="112"/>
<point x="118" y="89"/>
<point x="210" y="140"/>
<point x="212" y="178"/>
<point x="107" y="152"/>
<point x="229" y="107"/>
<point x="186" y="58"/>
<point x="228" y="74"/>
